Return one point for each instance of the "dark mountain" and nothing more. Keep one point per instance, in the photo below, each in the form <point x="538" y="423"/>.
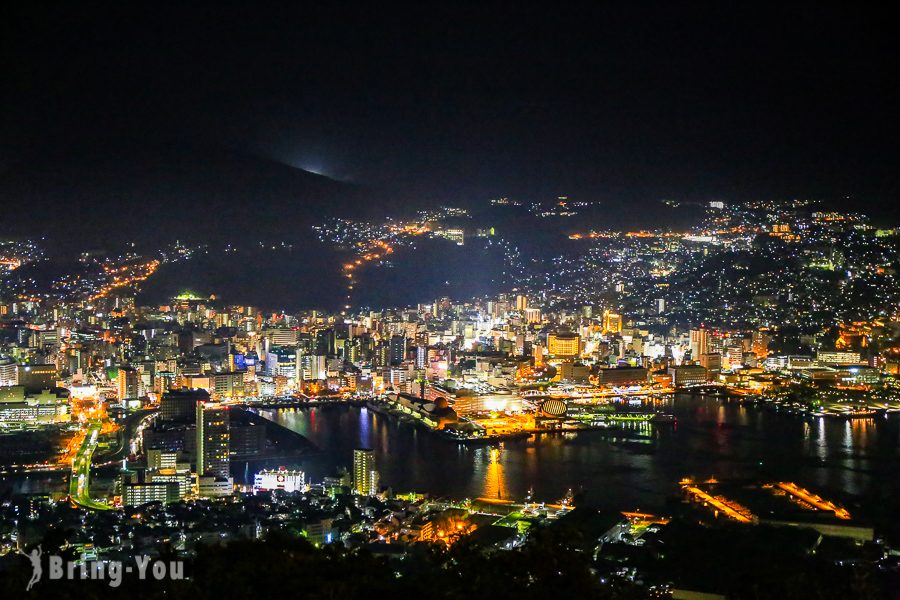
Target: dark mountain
<point x="198" y="195"/>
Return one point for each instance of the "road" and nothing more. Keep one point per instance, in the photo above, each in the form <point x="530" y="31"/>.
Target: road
<point x="79" y="480"/>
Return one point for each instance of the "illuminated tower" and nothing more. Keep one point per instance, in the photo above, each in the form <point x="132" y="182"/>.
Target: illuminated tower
<point x="127" y="383"/>
<point x="213" y="440"/>
<point x="521" y="303"/>
<point x="365" y="477"/>
<point x="699" y="343"/>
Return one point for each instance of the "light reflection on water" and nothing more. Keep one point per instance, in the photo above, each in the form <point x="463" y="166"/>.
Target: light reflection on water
<point x="638" y="466"/>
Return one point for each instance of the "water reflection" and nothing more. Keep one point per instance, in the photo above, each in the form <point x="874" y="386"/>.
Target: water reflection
<point x="635" y="467"/>
<point x="638" y="466"/>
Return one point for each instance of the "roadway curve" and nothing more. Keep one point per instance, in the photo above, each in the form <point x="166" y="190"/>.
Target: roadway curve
<point x="79" y="480"/>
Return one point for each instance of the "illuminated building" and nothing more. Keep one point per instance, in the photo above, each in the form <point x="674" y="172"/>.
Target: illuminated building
<point x="365" y="477"/>
<point x="163" y="468"/>
<point x="212" y="487"/>
<point x="280" y="479"/>
<point x="281" y="336"/>
<point x="135" y="494"/>
<point x="533" y="315"/>
<point x="281" y="360"/>
<point x="464" y="405"/>
<point x="837" y="358"/>
<point x="734" y="356"/>
<point x="521" y="302"/>
<point x="688" y="375"/>
<point x="538" y="352"/>
<point x="760" y="343"/>
<point x="711" y="361"/>
<point x="9" y="371"/>
<point x="699" y="343"/>
<point x="454" y="235"/>
<point x="212" y="440"/>
<point x="612" y="322"/>
<point x="128" y="383"/>
<point x="312" y="367"/>
<point x="572" y="372"/>
<point x="564" y="344"/>
<point x="421" y="356"/>
<point x="228" y="384"/>
<point x="161" y="459"/>
<point x="20" y="407"/>
<point x="660" y="305"/>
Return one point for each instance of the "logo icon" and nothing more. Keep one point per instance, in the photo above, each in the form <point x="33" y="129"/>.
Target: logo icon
<point x="36" y="570"/>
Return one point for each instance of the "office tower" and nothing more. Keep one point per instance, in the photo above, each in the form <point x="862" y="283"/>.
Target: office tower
<point x="212" y="440"/>
<point x="312" y="367"/>
<point x="660" y="306"/>
<point x="521" y="303"/>
<point x="538" y="352"/>
<point x="699" y="343"/>
<point x="161" y="459"/>
<point x="365" y="477"/>
<point x="128" y="383"/>
<point x="760" y="342"/>
<point x="181" y="405"/>
<point x="421" y="356"/>
<point x="398" y="349"/>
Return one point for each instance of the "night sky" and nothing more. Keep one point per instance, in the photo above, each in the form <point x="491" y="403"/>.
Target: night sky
<point x="649" y="101"/>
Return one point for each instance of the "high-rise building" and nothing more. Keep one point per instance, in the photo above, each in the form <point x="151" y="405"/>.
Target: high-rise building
<point x="699" y="343"/>
<point x="734" y="356"/>
<point x="760" y="342"/>
<point x="312" y="367"/>
<point x="181" y="405"/>
<point x="538" y="352"/>
<point x="128" y="383"/>
<point x="161" y="459"/>
<point x="421" y="356"/>
<point x="365" y="477"/>
<point x="711" y="361"/>
<point x="229" y="384"/>
<point x="521" y="302"/>
<point x="212" y="440"/>
<point x="398" y="349"/>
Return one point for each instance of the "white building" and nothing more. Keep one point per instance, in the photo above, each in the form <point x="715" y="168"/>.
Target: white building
<point x="269" y="480"/>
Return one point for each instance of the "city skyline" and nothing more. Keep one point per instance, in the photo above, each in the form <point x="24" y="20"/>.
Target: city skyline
<point x="475" y="301"/>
